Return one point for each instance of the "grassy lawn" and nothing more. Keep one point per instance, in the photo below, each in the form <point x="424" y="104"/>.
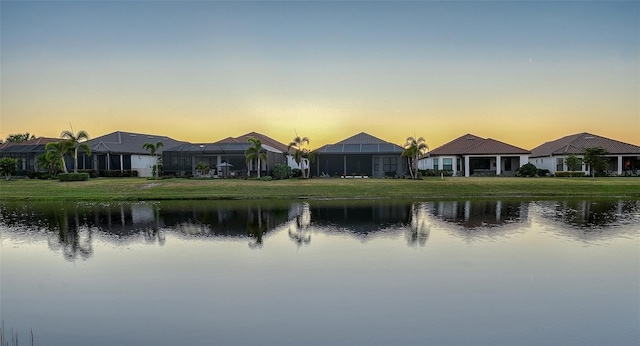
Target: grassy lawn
<point x="429" y="188"/>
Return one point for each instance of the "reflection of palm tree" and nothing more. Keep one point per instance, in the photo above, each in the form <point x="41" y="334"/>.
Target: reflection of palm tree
<point x="256" y="227"/>
<point x="418" y="232"/>
<point x="71" y="241"/>
<point x="301" y="234"/>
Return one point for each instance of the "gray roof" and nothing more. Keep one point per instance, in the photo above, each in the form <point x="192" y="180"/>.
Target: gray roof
<point x="130" y="143"/>
<point x="576" y="144"/>
<point x="361" y="143"/>
<point x="217" y="148"/>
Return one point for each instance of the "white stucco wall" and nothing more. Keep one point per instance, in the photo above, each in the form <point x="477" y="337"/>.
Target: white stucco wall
<point x="143" y="164"/>
<point x="543" y="163"/>
<point x="425" y="163"/>
<point x="550" y="163"/>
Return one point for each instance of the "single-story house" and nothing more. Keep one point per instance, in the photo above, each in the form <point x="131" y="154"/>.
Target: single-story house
<point x="623" y="157"/>
<point x="225" y="157"/>
<point x="27" y="153"/>
<point x="122" y="151"/>
<point x="473" y="155"/>
<point x="360" y="155"/>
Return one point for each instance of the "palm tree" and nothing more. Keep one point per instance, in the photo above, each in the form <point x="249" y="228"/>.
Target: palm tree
<point x="52" y="162"/>
<point x="57" y="150"/>
<point x="153" y="149"/>
<point x="8" y="166"/>
<point x="77" y="139"/>
<point x="302" y="156"/>
<point x="413" y="149"/>
<point x="255" y="151"/>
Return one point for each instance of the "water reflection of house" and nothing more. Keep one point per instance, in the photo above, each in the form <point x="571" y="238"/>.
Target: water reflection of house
<point x="217" y="220"/>
<point x="471" y="214"/>
<point x="593" y="219"/>
<point x="360" y="219"/>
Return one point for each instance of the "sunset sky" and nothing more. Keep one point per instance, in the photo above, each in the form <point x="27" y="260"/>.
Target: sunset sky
<point x="521" y="72"/>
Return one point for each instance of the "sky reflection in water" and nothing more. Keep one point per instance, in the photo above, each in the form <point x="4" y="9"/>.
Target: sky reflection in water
<point x="323" y="272"/>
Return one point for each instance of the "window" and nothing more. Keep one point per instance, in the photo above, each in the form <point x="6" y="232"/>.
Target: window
<point x="447" y="164"/>
<point x="435" y="164"/>
<point x="390" y="164"/>
<point x="559" y="164"/>
<point x="459" y="165"/>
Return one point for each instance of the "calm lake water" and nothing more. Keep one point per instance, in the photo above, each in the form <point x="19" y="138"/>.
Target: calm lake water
<point x="509" y="272"/>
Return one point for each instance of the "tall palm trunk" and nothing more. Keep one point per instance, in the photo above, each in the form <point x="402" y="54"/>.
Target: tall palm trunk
<point x="75" y="160"/>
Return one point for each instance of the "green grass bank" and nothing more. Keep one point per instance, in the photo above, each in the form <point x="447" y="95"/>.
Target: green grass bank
<point x="131" y="189"/>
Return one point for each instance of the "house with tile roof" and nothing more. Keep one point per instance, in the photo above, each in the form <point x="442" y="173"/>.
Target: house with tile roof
<point x="122" y="151"/>
<point x="623" y="157"/>
<point x="225" y="157"/>
<point x="470" y="154"/>
<point x="360" y="155"/>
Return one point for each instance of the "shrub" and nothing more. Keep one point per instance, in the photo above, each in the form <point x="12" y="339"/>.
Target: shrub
<point x="543" y="172"/>
<point x="570" y="174"/>
<point x="435" y="173"/>
<point x="8" y="166"/>
<point x="73" y="176"/>
<point x="281" y="171"/>
<point x="266" y="178"/>
<point x="93" y="173"/>
<point x="38" y="175"/>
<point x="120" y="174"/>
<point x="527" y="170"/>
<point x="296" y="172"/>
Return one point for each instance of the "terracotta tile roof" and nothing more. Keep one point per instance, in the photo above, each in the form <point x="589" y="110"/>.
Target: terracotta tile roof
<point x="473" y="145"/>
<point x="457" y="146"/>
<point x="491" y="146"/>
<point x="577" y="143"/>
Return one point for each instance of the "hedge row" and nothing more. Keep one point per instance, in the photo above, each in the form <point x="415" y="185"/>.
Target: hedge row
<point x="73" y="176"/>
<point x="121" y="174"/>
<point x="570" y="174"/>
<point x="435" y="173"/>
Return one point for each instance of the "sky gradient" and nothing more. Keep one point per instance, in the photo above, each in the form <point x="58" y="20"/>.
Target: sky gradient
<point x="520" y="72"/>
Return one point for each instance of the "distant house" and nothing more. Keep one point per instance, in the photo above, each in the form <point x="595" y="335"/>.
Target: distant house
<point x="473" y="155"/>
<point x="225" y="157"/>
<point x="122" y="151"/>
<point x="360" y="155"/>
<point x="27" y="153"/>
<point x="623" y="157"/>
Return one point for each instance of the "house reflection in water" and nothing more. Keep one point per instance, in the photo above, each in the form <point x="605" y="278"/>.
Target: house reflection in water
<point x="360" y="220"/>
<point x="592" y="219"/>
<point x="486" y="213"/>
<point x="225" y="220"/>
